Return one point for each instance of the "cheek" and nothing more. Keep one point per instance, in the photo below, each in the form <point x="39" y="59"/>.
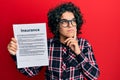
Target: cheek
<point x="61" y="31"/>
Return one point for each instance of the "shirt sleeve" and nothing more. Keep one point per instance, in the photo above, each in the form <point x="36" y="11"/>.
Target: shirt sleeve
<point x="86" y="60"/>
<point x="28" y="71"/>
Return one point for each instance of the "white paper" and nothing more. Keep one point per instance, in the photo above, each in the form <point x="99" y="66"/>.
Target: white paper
<point x="32" y="44"/>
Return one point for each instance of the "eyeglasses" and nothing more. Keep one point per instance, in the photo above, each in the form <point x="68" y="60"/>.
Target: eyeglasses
<point x="65" y="23"/>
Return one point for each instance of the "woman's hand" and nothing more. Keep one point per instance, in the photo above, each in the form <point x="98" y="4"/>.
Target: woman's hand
<point x="73" y="44"/>
<point x="12" y="46"/>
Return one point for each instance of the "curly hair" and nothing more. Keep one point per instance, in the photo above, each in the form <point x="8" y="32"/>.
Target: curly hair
<point x="54" y="16"/>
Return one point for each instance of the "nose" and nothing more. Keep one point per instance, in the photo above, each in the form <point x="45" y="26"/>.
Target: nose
<point x="70" y="24"/>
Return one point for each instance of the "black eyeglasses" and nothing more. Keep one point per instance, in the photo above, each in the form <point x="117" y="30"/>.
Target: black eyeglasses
<point x="65" y="23"/>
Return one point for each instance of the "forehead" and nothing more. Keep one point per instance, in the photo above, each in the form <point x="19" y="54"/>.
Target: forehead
<point x="67" y="15"/>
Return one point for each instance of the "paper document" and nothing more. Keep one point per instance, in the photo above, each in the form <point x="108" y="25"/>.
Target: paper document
<point x="32" y="44"/>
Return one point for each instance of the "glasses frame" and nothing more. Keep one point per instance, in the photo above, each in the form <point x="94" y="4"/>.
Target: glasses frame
<point x="68" y="22"/>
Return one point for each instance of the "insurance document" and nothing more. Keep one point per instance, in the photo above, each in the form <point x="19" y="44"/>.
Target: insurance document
<point x="32" y="44"/>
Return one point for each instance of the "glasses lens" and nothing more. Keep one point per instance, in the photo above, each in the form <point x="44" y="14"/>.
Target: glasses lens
<point x="73" y="22"/>
<point x="65" y="23"/>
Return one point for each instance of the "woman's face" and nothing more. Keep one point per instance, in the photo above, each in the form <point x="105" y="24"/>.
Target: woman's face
<point x="67" y="25"/>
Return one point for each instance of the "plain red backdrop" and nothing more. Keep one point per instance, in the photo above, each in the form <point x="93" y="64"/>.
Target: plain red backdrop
<point x="101" y="28"/>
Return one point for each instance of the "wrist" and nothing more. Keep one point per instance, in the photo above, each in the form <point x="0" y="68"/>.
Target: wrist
<point x="78" y="52"/>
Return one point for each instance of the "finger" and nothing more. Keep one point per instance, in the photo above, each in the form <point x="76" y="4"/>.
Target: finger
<point x="75" y="35"/>
<point x="13" y="47"/>
<point x="71" y="45"/>
<point x="70" y="41"/>
<point x="67" y="40"/>
<point x="11" y="50"/>
<point x="13" y="44"/>
<point x="14" y="40"/>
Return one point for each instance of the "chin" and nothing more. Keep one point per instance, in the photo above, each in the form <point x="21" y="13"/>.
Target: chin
<point x="70" y="36"/>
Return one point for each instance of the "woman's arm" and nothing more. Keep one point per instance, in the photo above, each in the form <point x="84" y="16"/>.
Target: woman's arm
<point x="87" y="61"/>
<point x="29" y="71"/>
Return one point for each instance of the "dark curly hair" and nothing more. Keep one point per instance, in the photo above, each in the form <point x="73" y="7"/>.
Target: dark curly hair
<point x="54" y="16"/>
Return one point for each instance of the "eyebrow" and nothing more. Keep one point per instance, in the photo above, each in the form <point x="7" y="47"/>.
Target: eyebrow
<point x="67" y="19"/>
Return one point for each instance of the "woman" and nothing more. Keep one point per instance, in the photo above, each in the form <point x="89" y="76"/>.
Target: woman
<point x="70" y="58"/>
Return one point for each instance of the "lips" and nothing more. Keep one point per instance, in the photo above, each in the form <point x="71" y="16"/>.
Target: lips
<point x="71" y="30"/>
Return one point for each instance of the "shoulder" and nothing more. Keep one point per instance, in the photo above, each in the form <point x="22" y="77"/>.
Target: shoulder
<point x="83" y="42"/>
<point x="50" y="40"/>
<point x="54" y="40"/>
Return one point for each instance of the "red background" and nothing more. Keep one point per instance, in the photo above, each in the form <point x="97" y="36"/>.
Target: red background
<point x="101" y="28"/>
